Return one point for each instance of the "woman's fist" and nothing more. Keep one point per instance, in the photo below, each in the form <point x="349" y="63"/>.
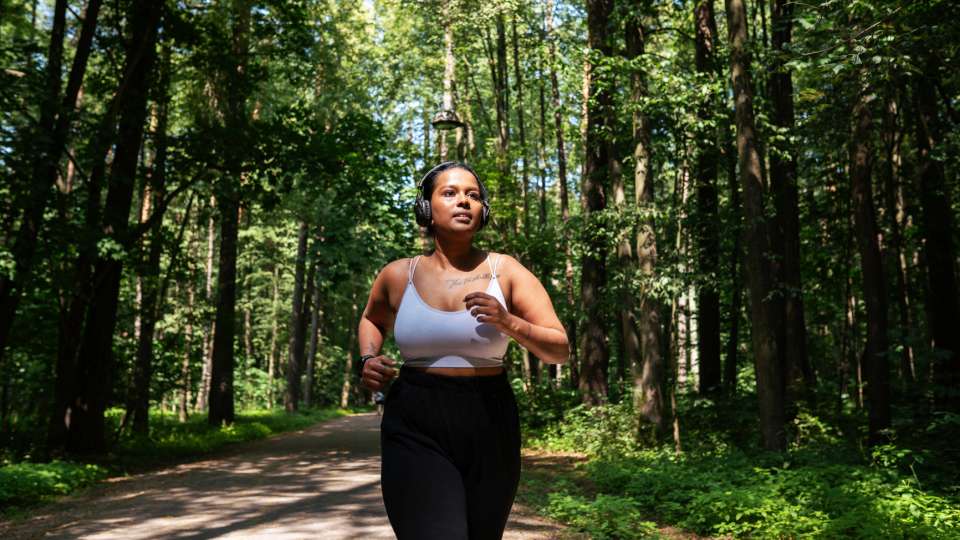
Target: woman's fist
<point x="377" y="372"/>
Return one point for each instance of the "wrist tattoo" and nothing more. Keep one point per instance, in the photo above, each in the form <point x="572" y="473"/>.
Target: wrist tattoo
<point x="459" y="282"/>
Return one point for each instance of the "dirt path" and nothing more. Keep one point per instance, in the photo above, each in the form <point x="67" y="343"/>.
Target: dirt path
<point x="323" y="482"/>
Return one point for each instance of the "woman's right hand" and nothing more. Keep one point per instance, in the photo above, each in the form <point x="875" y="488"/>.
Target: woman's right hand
<point x="377" y="372"/>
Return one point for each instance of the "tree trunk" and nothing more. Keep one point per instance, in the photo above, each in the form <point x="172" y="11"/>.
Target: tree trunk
<point x="593" y="371"/>
<point x="938" y="229"/>
<point x="274" y="339"/>
<point x="570" y="323"/>
<point x="221" y="408"/>
<point x="151" y="276"/>
<point x="291" y="397"/>
<point x="86" y="432"/>
<point x="871" y="268"/>
<point x="708" y="253"/>
<point x="315" y="325"/>
<point x="348" y="362"/>
<point x="185" y="365"/>
<point x="521" y="132"/>
<point x="56" y="113"/>
<point x="649" y="373"/>
<point x="736" y="294"/>
<point x="204" y="390"/>
<point x="783" y="182"/>
<point x="893" y="203"/>
<point x="764" y="317"/>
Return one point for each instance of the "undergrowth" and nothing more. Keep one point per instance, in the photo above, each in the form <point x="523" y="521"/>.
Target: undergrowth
<point x="828" y="484"/>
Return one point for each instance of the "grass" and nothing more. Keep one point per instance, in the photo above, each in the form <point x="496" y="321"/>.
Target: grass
<point x="24" y="485"/>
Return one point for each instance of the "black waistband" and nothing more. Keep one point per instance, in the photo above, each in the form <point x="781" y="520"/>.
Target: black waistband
<point x="472" y="383"/>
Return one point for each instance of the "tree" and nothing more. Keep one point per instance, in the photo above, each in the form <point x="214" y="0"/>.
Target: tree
<point x="764" y="315"/>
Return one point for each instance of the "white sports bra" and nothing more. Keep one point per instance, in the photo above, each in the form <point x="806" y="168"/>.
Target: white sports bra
<point x="431" y="337"/>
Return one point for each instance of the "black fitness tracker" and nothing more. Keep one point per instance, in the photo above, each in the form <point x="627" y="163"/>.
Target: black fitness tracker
<point x="363" y="361"/>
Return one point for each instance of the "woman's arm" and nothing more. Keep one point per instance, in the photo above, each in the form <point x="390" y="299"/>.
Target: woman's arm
<point x="376" y="318"/>
<point x="533" y="323"/>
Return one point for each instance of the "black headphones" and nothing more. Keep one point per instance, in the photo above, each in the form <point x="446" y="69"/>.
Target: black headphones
<point x="421" y="206"/>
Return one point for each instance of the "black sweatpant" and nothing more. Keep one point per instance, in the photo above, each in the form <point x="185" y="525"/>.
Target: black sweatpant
<point x="451" y="456"/>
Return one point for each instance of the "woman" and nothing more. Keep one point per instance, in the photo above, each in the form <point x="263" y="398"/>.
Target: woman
<point x="450" y="435"/>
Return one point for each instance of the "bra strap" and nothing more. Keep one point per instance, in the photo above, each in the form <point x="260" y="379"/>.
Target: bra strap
<point x="413" y="268"/>
<point x="493" y="267"/>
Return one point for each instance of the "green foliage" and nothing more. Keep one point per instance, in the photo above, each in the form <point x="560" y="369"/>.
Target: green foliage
<point x="821" y="488"/>
<point x="605" y="517"/>
<point x="24" y="484"/>
<point x="604" y="430"/>
<point x="543" y="404"/>
<point x="170" y="439"/>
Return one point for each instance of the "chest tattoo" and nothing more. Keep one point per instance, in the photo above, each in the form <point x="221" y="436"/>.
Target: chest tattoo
<point x="460" y="282"/>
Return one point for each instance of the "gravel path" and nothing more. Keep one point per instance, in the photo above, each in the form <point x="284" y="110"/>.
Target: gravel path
<point x="323" y="482"/>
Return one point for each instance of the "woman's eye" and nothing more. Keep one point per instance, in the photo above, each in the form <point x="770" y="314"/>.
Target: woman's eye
<point x="475" y="196"/>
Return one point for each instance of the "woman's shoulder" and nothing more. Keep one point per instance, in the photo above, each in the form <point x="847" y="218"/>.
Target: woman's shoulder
<point x="396" y="269"/>
<point x="506" y="263"/>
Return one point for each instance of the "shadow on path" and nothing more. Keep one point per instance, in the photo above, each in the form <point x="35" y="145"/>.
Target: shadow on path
<point x="323" y="482"/>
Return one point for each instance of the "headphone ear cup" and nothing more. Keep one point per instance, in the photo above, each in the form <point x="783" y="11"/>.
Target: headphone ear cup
<point x="485" y="215"/>
<point x="421" y="209"/>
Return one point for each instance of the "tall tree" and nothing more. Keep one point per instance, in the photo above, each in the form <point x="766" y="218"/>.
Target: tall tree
<point x="708" y="301"/>
<point x="570" y="323"/>
<point x="764" y="316"/>
<point x="221" y="407"/>
<point x="143" y="371"/>
<point x="95" y="366"/>
<point x="291" y="398"/>
<point x="938" y="228"/>
<point x="650" y="372"/>
<point x="593" y="369"/>
<point x="871" y="267"/>
<point x="783" y="182"/>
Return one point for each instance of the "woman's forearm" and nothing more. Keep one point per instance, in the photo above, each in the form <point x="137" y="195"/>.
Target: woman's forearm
<point x="548" y="344"/>
<point x="370" y="337"/>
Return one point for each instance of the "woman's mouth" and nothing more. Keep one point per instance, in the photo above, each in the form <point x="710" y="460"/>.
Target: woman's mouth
<point x="466" y="217"/>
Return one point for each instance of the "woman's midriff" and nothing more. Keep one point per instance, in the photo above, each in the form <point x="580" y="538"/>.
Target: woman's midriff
<point x="461" y="372"/>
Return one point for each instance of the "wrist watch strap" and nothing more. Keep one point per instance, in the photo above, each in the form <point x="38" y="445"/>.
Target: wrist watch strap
<point x="363" y="361"/>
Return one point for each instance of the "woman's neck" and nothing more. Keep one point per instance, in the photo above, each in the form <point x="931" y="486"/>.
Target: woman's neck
<point x="456" y="253"/>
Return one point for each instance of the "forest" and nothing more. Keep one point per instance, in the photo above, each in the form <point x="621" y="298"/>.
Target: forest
<point x="744" y="213"/>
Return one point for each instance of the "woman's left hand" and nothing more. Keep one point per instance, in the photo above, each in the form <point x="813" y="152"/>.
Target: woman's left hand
<point x="487" y="309"/>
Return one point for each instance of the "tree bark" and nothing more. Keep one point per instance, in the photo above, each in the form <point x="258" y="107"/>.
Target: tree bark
<point x="871" y="268"/>
<point x="221" y="407"/>
<point x="764" y="316"/>
<point x="570" y="322"/>
<point x="204" y="391"/>
<point x="315" y="325"/>
<point x="649" y="373"/>
<point x="593" y="371"/>
<point x="86" y="432"/>
<point x="291" y="397"/>
<point x="151" y="276"/>
<point x="736" y="294"/>
<point x="938" y="229"/>
<point x="274" y="338"/>
<point x="522" y="133"/>
<point x="783" y="182"/>
<point x="708" y="253"/>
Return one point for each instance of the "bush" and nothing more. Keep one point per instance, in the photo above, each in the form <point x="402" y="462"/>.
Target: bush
<point x="23" y="484"/>
<point x="823" y="487"/>
<point x="607" y="516"/>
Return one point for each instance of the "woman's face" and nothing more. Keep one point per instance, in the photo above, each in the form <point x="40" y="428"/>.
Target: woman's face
<point x="455" y="204"/>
